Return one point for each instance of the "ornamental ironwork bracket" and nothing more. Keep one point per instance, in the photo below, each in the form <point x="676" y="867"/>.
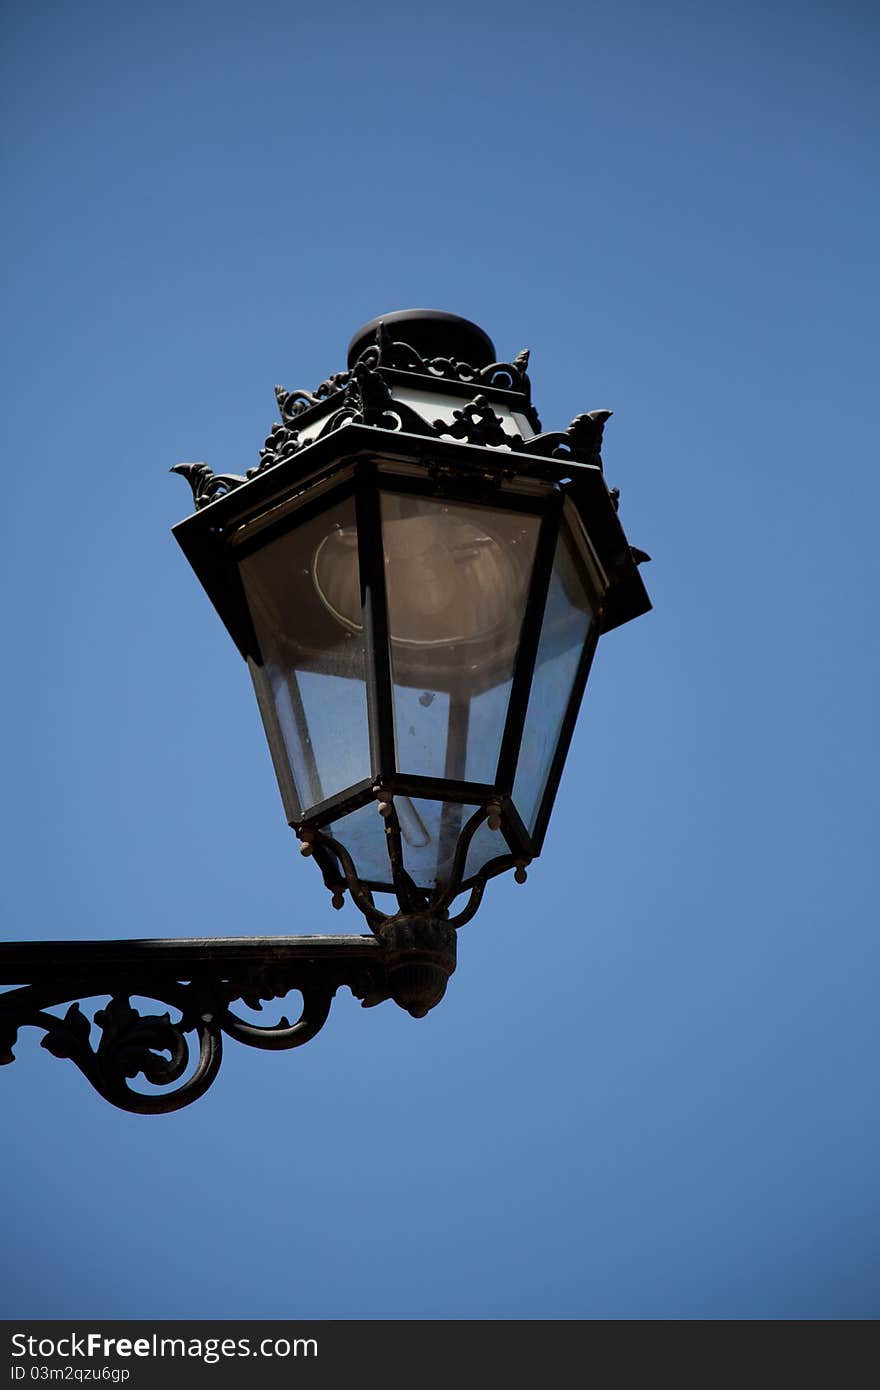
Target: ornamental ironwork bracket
<point x="200" y="981"/>
<point x="408" y="959"/>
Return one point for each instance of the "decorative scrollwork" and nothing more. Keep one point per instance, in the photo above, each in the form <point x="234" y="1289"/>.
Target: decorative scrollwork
<point x="293" y="403"/>
<point x="387" y="352"/>
<point x="206" y="485"/>
<point x="199" y="981"/>
<point x="340" y="871"/>
<point x="478" y="424"/>
<point x="581" y="442"/>
<point x="364" y="396"/>
<point x="178" y="1052"/>
<point x="317" y="1000"/>
<point x="281" y="443"/>
<point x="585" y="434"/>
<point x="130" y="1044"/>
<point x="369" y="397"/>
<point x="337" y="381"/>
<point x="401" y="356"/>
<point x="367" y="400"/>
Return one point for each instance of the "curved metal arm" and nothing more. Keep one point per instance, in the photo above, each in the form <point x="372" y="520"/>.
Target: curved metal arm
<point x="499" y="865"/>
<point x="456" y="873"/>
<point x="409" y="895"/>
<point x="282" y="1035"/>
<point x="470" y="908"/>
<point x="360" y="896"/>
<point x="413" y="900"/>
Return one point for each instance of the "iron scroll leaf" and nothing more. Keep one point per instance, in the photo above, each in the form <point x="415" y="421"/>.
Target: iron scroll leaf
<point x="201" y="981"/>
<point x="362" y="395"/>
<point x="367" y="400"/>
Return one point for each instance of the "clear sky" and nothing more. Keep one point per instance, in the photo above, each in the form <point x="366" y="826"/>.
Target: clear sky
<point x="651" y="1089"/>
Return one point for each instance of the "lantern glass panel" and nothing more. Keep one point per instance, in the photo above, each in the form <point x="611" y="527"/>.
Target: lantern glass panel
<point x="362" y="832"/>
<point x="311" y="683"/>
<point x="456" y="577"/>
<point x="568" y="616"/>
<point x="429" y="832"/>
<point x="486" y="845"/>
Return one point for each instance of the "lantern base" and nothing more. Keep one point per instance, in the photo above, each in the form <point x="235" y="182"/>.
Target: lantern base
<point x="419" y="959"/>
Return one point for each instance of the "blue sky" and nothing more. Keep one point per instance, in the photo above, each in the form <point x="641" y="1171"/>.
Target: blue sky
<point x="650" y="1091"/>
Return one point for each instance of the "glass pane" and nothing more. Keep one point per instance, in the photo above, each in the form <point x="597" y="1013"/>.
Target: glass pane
<point x="487" y="716"/>
<point x="487" y="844"/>
<point x="429" y="835"/>
<point x="311" y="685"/>
<point x="567" y="618"/>
<point x="430" y="831"/>
<point x="456" y="576"/>
<point x="362" y="833"/>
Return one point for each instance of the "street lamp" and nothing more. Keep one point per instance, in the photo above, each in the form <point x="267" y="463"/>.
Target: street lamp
<point x="417" y="578"/>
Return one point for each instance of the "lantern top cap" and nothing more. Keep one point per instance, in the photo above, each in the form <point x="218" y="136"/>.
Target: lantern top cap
<point x="432" y="333"/>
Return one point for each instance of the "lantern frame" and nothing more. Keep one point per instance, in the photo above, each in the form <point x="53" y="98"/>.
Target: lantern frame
<point x="351" y="461"/>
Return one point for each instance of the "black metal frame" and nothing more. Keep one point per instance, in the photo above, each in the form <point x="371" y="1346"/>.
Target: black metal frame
<point x="530" y="636"/>
<point x="352" y="437"/>
<point x="377" y="647"/>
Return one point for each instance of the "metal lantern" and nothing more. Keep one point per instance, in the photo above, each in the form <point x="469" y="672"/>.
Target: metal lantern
<point x="417" y="578"/>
